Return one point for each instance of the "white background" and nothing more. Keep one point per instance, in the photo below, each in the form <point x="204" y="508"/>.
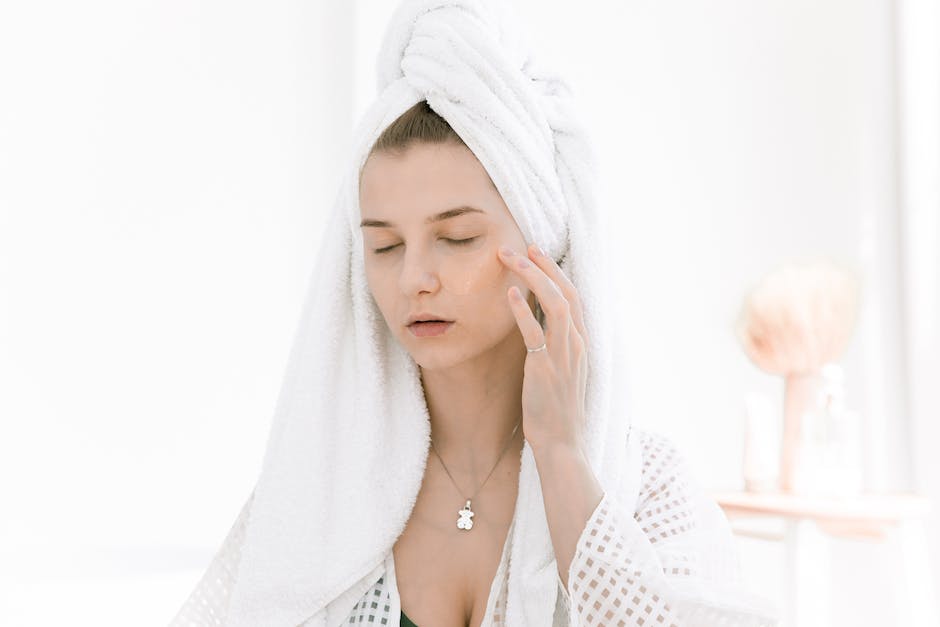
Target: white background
<point x="165" y="169"/>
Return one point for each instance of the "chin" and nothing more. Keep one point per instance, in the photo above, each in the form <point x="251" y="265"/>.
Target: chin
<point x="432" y="355"/>
<point x="449" y="354"/>
<point x="435" y="359"/>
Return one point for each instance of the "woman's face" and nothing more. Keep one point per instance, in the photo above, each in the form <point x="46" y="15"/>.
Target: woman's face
<point x="432" y="223"/>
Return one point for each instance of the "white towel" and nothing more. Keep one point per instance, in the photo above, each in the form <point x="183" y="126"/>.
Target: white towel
<point x="351" y="431"/>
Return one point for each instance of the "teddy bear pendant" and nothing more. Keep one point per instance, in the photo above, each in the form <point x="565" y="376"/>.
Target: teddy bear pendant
<point x="466" y="514"/>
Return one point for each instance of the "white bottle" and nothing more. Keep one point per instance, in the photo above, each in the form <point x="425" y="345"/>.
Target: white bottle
<point x="831" y="441"/>
<point x="760" y="459"/>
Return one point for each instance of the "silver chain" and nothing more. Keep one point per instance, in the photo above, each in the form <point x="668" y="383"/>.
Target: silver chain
<point x="505" y="448"/>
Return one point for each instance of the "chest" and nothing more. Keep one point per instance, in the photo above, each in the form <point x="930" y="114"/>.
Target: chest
<point x="446" y="575"/>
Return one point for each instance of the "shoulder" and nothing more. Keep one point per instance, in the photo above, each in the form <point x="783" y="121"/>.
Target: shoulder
<point x="666" y="474"/>
<point x="660" y="453"/>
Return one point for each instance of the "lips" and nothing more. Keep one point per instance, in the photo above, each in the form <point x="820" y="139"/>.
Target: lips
<point x="425" y="316"/>
<point x="429" y="328"/>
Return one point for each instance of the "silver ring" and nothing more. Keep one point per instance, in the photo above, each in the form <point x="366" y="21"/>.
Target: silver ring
<point x="540" y="348"/>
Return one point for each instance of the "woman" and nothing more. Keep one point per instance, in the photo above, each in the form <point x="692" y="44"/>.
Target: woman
<point x="450" y="446"/>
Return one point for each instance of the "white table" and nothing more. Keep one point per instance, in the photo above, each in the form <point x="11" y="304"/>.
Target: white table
<point x="895" y="518"/>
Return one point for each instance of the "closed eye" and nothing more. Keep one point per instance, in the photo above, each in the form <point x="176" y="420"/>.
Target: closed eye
<point x="457" y="242"/>
<point x="460" y="241"/>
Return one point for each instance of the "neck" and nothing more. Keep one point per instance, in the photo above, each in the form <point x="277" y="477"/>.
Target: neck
<point x="474" y="407"/>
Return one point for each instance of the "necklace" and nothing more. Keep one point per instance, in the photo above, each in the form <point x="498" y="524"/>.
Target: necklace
<point x="466" y="514"/>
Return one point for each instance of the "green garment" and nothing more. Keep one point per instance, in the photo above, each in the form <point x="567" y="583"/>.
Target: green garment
<point x="405" y="621"/>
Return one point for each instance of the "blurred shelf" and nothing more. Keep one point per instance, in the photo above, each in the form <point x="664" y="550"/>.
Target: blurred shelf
<point x="806" y="521"/>
<point x="865" y="516"/>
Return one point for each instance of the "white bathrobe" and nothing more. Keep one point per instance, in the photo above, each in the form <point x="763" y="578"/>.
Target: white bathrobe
<point x="350" y="435"/>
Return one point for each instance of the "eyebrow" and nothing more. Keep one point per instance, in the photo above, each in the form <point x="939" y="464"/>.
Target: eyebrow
<point x="444" y="215"/>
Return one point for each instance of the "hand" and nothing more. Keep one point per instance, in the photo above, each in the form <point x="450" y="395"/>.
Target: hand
<point x="555" y="378"/>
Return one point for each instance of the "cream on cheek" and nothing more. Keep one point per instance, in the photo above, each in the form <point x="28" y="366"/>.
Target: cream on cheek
<point x="477" y="271"/>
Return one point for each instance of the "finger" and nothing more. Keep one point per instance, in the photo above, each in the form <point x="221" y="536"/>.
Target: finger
<point x="570" y="292"/>
<point x="532" y="333"/>
<point x="549" y="295"/>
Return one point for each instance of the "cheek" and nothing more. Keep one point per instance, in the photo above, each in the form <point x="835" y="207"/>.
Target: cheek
<point x="466" y="275"/>
<point x="379" y="287"/>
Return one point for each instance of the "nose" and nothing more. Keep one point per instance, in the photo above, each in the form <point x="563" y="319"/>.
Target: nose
<point x="418" y="273"/>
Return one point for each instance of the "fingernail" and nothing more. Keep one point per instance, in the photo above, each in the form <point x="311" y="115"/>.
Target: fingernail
<point x="506" y="250"/>
<point x="539" y="251"/>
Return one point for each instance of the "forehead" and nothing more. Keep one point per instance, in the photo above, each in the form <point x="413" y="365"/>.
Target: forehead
<point x="424" y="180"/>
